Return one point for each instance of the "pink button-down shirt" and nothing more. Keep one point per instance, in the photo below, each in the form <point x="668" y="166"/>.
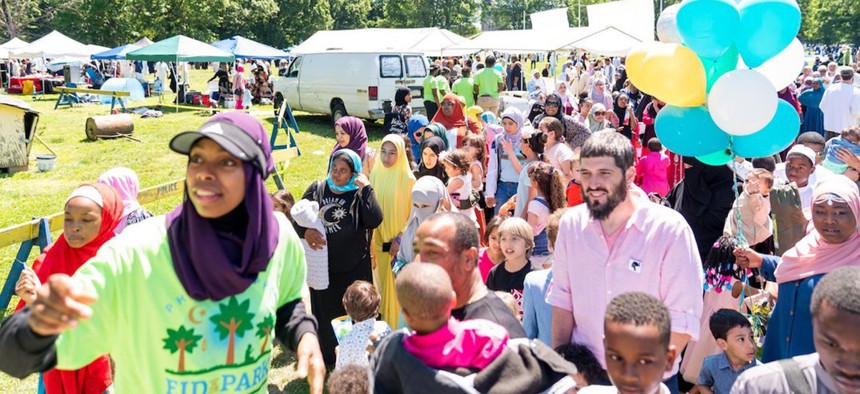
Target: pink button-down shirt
<point x="655" y="253"/>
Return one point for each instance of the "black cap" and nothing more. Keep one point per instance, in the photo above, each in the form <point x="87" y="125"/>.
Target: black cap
<point x="230" y="136"/>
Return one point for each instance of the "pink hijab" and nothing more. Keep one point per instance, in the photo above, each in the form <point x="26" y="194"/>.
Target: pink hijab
<point x="126" y="183"/>
<point x="813" y="255"/>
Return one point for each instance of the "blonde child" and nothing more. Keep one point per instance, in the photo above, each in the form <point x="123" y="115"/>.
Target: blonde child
<point x="476" y="147"/>
<point x="754" y="207"/>
<point x="546" y="195"/>
<point x="537" y="313"/>
<point x="361" y="302"/>
<point x="283" y="201"/>
<point x="457" y="166"/>
<point x="517" y="243"/>
<point x="574" y="187"/>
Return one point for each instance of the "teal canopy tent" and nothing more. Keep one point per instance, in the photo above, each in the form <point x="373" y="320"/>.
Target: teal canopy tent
<point x="180" y="49"/>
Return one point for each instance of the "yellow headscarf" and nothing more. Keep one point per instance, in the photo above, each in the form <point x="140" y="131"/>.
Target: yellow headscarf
<point x="474" y="113"/>
<point x="393" y="188"/>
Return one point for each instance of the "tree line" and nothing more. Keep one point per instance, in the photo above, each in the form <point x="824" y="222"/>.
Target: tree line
<point x="284" y="23"/>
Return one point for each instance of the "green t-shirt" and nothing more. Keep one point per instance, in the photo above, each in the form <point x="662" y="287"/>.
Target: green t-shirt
<point x="164" y="341"/>
<point x="429" y="84"/>
<point x="488" y="81"/>
<point x="442" y="86"/>
<point x="465" y="87"/>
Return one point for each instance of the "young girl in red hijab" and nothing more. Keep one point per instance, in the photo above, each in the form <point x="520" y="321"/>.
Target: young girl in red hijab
<point x="92" y="212"/>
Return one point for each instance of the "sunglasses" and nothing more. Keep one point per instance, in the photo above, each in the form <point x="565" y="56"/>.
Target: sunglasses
<point x="419" y="134"/>
<point x="598" y="113"/>
<point x="552" y="104"/>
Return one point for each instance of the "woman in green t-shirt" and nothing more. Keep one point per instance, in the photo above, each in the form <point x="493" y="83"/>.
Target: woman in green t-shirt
<point x="186" y="301"/>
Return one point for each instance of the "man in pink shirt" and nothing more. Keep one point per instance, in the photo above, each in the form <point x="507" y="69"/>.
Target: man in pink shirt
<point x="616" y="243"/>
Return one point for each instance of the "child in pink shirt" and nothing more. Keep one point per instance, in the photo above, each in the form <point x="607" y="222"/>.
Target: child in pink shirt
<point x="651" y="169"/>
<point x="426" y="297"/>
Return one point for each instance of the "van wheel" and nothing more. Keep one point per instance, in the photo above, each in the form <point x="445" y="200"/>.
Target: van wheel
<point x="338" y="111"/>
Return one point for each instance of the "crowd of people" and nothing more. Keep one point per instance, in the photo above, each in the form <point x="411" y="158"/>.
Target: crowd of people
<point x="475" y="250"/>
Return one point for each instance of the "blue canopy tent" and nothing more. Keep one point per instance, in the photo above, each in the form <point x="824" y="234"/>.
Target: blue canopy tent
<point x="117" y="53"/>
<point x="244" y="48"/>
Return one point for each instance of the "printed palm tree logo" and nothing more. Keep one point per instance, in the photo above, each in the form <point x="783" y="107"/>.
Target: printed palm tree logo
<point x="264" y="330"/>
<point x="233" y="319"/>
<point x="181" y="340"/>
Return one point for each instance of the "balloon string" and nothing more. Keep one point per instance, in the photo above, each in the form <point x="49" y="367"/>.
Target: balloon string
<point x="742" y="241"/>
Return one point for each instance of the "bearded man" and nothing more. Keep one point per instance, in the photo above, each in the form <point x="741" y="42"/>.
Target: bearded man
<point x="616" y="243"/>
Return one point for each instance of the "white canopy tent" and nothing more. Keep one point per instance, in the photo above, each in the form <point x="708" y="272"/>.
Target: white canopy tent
<point x="606" y="41"/>
<point x="15" y="43"/>
<point x="144" y="42"/>
<point x="614" y="29"/>
<point x="633" y="17"/>
<point x="96" y="48"/>
<point x="53" y="45"/>
<point x="429" y="41"/>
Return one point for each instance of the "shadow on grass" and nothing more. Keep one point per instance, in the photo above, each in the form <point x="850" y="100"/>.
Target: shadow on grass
<point x="321" y="125"/>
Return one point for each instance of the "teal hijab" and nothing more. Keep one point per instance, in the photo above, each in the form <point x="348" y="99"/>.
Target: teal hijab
<point x="355" y="167"/>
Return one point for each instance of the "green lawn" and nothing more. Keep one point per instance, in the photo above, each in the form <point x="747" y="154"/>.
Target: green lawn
<point x="30" y="194"/>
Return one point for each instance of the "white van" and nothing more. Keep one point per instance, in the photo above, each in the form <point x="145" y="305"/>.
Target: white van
<point x="347" y="83"/>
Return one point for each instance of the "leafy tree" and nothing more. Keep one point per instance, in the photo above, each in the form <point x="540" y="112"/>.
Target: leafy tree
<point x="264" y="330"/>
<point x="233" y="318"/>
<point x="181" y="340"/>
<point x="349" y="14"/>
<point x="16" y="15"/>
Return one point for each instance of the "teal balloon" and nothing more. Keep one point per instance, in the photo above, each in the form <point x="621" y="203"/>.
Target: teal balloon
<point x="773" y="138"/>
<point x="708" y="27"/>
<point x="766" y="28"/>
<point x="718" y="158"/>
<point x="714" y="69"/>
<point x="689" y="131"/>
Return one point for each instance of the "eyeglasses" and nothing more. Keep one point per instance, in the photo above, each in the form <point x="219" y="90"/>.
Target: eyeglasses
<point x="447" y="104"/>
<point x="599" y="113"/>
<point x="552" y="104"/>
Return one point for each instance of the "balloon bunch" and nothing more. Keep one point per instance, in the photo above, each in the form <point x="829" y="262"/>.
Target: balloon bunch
<point x="718" y="67"/>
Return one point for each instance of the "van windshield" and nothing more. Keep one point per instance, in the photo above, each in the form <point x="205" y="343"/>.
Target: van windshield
<point x="415" y="66"/>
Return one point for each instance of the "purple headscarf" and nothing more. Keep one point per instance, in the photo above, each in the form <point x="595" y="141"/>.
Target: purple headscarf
<point x="218" y="258"/>
<point x="357" y="135"/>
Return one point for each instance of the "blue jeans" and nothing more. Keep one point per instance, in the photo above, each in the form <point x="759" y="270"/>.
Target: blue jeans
<point x="504" y="191"/>
<point x="541" y="244"/>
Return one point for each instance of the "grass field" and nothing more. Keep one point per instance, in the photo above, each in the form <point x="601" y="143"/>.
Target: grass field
<point x="30" y="194"/>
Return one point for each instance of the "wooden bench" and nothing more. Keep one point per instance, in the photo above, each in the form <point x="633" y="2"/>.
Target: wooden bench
<point x="69" y="96"/>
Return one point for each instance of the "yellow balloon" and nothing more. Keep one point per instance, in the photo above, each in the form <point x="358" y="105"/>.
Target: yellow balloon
<point x="675" y="75"/>
<point x="635" y="65"/>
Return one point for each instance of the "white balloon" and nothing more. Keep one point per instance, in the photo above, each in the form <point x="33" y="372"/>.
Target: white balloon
<point x="667" y="29"/>
<point x="742" y="102"/>
<point x="784" y="68"/>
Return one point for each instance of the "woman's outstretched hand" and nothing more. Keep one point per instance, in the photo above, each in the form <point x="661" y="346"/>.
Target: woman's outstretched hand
<point x="59" y="304"/>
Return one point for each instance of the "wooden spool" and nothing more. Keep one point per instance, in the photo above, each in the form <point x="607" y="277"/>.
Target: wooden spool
<point x="109" y="126"/>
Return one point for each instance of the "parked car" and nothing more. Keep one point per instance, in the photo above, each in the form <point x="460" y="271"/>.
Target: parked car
<point x="341" y="83"/>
